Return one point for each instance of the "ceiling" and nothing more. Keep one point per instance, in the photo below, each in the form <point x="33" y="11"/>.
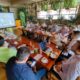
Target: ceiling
<point x="24" y="1"/>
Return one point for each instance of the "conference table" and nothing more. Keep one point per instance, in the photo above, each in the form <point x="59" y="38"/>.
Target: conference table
<point x="37" y="56"/>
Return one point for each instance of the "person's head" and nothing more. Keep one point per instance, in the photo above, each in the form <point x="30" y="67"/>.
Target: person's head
<point x="23" y="53"/>
<point x="28" y="21"/>
<point x="44" y="38"/>
<point x="1" y="41"/>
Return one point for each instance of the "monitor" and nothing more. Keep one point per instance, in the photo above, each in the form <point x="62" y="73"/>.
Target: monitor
<point x="7" y="20"/>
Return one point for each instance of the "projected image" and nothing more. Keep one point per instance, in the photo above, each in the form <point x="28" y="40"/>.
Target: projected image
<point x="7" y="20"/>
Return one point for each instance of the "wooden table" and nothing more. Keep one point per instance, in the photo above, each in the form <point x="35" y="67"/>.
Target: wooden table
<point x="48" y="65"/>
<point x="51" y="62"/>
<point x="29" y="42"/>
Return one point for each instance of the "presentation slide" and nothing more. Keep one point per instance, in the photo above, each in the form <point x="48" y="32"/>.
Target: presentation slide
<point x="7" y="20"/>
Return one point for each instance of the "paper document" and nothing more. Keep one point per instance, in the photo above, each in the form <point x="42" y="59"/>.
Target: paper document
<point x="37" y="57"/>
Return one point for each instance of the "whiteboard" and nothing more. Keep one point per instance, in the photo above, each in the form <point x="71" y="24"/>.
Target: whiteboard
<point x="7" y="20"/>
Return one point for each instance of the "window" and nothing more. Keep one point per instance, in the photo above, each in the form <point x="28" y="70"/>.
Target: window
<point x="66" y="14"/>
<point x="53" y="13"/>
<point x="42" y="15"/>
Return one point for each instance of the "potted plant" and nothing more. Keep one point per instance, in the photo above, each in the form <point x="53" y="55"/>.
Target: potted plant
<point x="22" y="15"/>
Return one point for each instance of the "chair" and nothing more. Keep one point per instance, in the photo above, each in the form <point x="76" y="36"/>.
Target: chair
<point x="78" y="78"/>
<point x="3" y="75"/>
<point x="52" y="75"/>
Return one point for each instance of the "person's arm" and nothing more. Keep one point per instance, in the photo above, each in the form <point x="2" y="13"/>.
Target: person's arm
<point x="68" y="61"/>
<point x="72" y="42"/>
<point x="75" y="73"/>
<point x="63" y="65"/>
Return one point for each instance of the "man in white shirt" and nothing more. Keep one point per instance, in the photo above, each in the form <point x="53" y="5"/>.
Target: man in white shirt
<point x="70" y="69"/>
<point x="75" y="38"/>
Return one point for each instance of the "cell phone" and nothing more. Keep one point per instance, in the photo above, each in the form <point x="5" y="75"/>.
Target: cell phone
<point x="33" y="62"/>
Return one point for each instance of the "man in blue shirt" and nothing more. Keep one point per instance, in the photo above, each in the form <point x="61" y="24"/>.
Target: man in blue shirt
<point x="21" y="71"/>
<point x="43" y="44"/>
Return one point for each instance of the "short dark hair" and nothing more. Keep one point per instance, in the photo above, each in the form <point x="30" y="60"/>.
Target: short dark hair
<point x="78" y="49"/>
<point x="76" y="32"/>
<point x="22" y="52"/>
<point x="1" y="40"/>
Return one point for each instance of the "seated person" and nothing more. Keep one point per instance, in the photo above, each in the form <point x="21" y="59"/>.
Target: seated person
<point x="70" y="69"/>
<point x="66" y="54"/>
<point x="75" y="38"/>
<point x="63" y="35"/>
<point x="3" y="43"/>
<point x="43" y="43"/>
<point x="65" y="30"/>
<point x="28" y="24"/>
<point x="21" y="70"/>
<point x="9" y="67"/>
<point x="57" y="40"/>
<point x="5" y="52"/>
<point x="44" y="26"/>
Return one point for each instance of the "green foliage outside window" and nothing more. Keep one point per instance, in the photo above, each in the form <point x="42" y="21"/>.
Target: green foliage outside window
<point x="70" y="3"/>
<point x="44" y="6"/>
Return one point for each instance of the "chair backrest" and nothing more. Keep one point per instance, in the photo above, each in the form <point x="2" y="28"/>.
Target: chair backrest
<point x="78" y="78"/>
<point x="3" y="75"/>
<point x="52" y="75"/>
